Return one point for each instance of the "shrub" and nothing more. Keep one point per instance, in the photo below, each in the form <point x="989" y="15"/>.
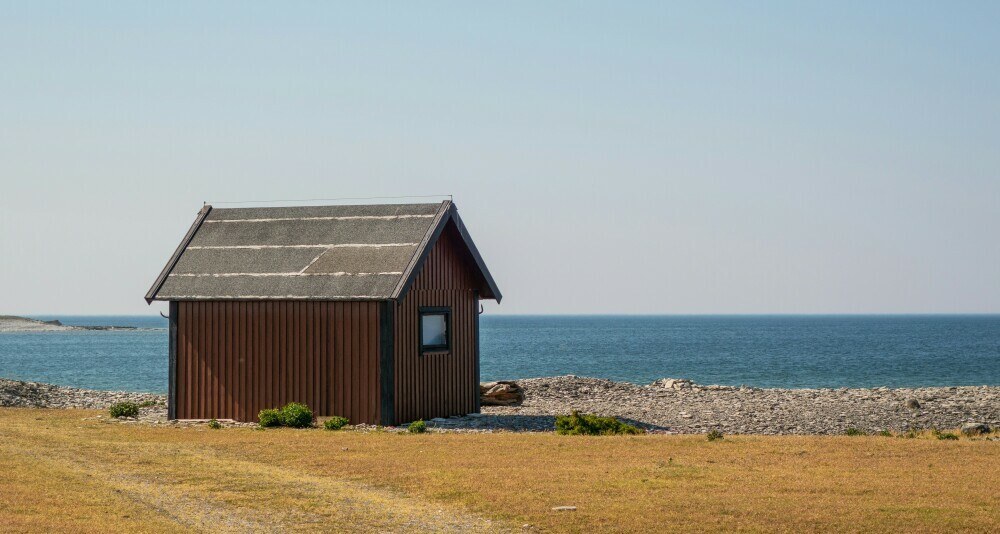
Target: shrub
<point x="124" y="409"/>
<point x="296" y="415"/>
<point x="851" y="431"/>
<point x="214" y="424"/>
<point x="417" y="427"/>
<point x="885" y="433"/>
<point x="714" y="435"/>
<point x="593" y="425"/>
<point x="335" y="423"/>
<point x="269" y="417"/>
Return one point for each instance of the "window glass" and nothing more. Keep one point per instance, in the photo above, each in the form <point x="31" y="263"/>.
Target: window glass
<point x="435" y="329"/>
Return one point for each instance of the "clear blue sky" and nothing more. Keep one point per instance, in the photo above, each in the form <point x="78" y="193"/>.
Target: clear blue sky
<point x="607" y="157"/>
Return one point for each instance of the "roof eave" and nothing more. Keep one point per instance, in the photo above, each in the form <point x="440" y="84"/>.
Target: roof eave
<point x="490" y="283"/>
<point x="158" y="283"/>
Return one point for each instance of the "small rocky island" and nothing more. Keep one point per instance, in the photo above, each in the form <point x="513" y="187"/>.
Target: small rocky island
<point x="12" y="323"/>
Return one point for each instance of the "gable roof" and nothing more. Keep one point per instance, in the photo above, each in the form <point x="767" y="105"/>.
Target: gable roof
<point x="369" y="252"/>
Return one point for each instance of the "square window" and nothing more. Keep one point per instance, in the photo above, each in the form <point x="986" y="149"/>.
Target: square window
<point x="435" y="326"/>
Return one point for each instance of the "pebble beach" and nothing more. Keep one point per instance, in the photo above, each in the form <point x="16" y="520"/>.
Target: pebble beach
<point x="673" y="406"/>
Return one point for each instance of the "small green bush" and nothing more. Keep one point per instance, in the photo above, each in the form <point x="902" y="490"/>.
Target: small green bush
<point x="885" y="433"/>
<point x="417" y="427"/>
<point x="593" y="425"/>
<point x="124" y="409"/>
<point x="851" y="431"/>
<point x="214" y="424"/>
<point x="714" y="435"/>
<point x="296" y="415"/>
<point x="269" y="417"/>
<point x="335" y="423"/>
<point x="293" y="414"/>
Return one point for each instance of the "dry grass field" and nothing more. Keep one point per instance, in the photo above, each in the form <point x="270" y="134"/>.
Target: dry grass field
<point x="66" y="470"/>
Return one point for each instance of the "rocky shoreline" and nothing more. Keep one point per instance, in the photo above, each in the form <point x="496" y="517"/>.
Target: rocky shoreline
<point x="20" y="394"/>
<point x="681" y="406"/>
<point x="667" y="406"/>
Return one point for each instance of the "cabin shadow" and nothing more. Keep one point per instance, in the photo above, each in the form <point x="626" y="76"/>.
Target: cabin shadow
<point x="518" y="423"/>
<point x="486" y="421"/>
<point x="644" y="425"/>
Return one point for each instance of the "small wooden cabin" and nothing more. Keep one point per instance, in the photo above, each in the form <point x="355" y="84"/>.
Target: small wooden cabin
<point x="368" y="312"/>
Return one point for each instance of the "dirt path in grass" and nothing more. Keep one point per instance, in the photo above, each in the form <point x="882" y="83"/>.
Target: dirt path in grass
<point x="192" y="487"/>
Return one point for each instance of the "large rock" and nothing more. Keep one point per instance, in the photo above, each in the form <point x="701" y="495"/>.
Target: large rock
<point x="673" y="383"/>
<point x="500" y="393"/>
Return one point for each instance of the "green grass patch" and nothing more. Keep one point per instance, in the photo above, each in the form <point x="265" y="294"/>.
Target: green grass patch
<point x="124" y="409"/>
<point x="944" y="435"/>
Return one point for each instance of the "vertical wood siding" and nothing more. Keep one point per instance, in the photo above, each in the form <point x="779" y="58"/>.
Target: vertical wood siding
<point x="438" y="384"/>
<point x="237" y="358"/>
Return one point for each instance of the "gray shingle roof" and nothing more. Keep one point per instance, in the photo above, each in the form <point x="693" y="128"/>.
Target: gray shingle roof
<point x="306" y="252"/>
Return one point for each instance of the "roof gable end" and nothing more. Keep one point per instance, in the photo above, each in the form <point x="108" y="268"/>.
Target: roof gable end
<point x="490" y="289"/>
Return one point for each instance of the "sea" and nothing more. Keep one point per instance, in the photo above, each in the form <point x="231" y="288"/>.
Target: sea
<point x="800" y="351"/>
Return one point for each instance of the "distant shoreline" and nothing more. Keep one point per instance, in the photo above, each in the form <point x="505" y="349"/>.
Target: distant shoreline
<point x="13" y="323"/>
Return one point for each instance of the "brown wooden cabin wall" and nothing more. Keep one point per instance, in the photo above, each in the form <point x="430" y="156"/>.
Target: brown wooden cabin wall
<point x="439" y="384"/>
<point x="236" y="358"/>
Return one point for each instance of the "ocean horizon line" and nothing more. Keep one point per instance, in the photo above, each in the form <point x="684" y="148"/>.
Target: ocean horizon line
<point x="607" y="314"/>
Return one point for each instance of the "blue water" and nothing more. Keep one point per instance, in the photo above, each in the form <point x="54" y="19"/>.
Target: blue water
<point x="764" y="351"/>
<point x="118" y="360"/>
